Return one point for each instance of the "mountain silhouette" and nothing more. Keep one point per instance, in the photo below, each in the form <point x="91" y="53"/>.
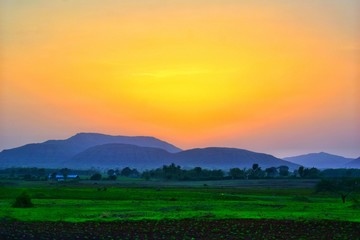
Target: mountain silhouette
<point x="117" y="155"/>
<point x="354" y="163"/>
<point x="123" y="155"/>
<point x="213" y="157"/>
<point x="86" y="150"/>
<point x="53" y="153"/>
<point x="320" y="160"/>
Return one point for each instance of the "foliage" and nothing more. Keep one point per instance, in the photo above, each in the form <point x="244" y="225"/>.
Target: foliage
<point x="300" y="171"/>
<point x="28" y="177"/>
<point x="237" y="173"/>
<point x="343" y="187"/>
<point x="111" y="172"/>
<point x="134" y="199"/>
<point x="128" y="172"/>
<point x="340" y="173"/>
<point x="283" y="171"/>
<point x="174" y="172"/>
<point x="96" y="177"/>
<point x="38" y="174"/>
<point x="255" y="172"/>
<point x="271" y="172"/>
<point x="23" y="201"/>
<point x="112" y="177"/>
<point x="308" y="172"/>
<point x="53" y="175"/>
<point x="65" y="172"/>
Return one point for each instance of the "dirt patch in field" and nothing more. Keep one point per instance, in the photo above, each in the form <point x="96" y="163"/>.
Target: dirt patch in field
<point x="182" y="229"/>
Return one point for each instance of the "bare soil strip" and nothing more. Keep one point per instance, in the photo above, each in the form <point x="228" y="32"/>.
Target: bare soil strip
<point x="182" y="229"/>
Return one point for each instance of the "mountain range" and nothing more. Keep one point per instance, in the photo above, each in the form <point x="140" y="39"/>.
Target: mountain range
<point x="86" y="150"/>
<point x="323" y="160"/>
<point x="121" y="155"/>
<point x="54" y="153"/>
<point x="355" y="163"/>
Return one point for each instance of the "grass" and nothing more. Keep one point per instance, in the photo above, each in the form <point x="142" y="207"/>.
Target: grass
<point x="137" y="200"/>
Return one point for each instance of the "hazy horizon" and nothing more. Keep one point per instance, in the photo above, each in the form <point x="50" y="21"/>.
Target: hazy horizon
<point x="288" y="154"/>
<point x="281" y="78"/>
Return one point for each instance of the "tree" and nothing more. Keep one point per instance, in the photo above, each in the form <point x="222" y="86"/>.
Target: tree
<point x="111" y="172"/>
<point x="146" y="174"/>
<point x="53" y="175"/>
<point x="271" y="172"/>
<point x="255" y="172"/>
<point x="193" y="174"/>
<point x="28" y="177"/>
<point x="23" y="201"/>
<point x="198" y="171"/>
<point x="112" y="177"/>
<point x="236" y="173"/>
<point x="134" y="173"/>
<point x="217" y="174"/>
<point x="343" y="187"/>
<point x="126" y="172"/>
<point x="65" y="172"/>
<point x="41" y="173"/>
<point x="284" y="171"/>
<point x="96" y="177"/>
<point x="172" y="171"/>
<point x="301" y="171"/>
<point x="311" y="173"/>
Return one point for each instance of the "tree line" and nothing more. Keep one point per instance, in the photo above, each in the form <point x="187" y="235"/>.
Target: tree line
<point x="176" y="172"/>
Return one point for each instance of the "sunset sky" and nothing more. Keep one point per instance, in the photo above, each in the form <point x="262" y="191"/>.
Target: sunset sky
<point x="279" y="76"/>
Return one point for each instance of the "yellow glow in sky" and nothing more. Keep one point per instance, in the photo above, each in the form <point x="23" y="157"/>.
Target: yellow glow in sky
<point x="230" y="73"/>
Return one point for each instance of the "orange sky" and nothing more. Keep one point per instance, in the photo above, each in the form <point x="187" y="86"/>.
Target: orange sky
<point x="281" y="78"/>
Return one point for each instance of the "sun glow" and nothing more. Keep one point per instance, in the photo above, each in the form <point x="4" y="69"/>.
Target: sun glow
<point x="179" y="71"/>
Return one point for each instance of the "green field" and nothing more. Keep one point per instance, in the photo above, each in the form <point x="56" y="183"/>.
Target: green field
<point x="136" y="200"/>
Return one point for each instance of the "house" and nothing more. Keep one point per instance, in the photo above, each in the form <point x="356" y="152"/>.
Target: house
<point x="60" y="177"/>
<point x="73" y="176"/>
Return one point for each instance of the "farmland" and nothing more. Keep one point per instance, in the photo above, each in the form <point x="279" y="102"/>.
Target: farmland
<point x="183" y="229"/>
<point x="227" y="203"/>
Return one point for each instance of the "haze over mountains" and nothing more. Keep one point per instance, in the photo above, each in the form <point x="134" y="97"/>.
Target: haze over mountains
<point x="321" y="160"/>
<point x="54" y="153"/>
<point x="354" y="163"/>
<point x="86" y="150"/>
<point x="122" y="155"/>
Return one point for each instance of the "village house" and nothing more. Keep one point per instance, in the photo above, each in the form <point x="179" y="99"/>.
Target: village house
<point x="60" y="177"/>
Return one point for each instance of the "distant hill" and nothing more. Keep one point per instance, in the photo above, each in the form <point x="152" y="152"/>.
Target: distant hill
<point x="86" y="140"/>
<point x="320" y="160"/>
<point x="122" y="155"/>
<point x="53" y="153"/>
<point x="354" y="163"/>
<point x="213" y="157"/>
<point x="117" y="155"/>
<point x="86" y="150"/>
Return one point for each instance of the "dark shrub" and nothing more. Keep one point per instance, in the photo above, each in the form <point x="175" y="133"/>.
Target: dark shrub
<point x="112" y="177"/>
<point x="23" y="201"/>
<point x="96" y="177"/>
